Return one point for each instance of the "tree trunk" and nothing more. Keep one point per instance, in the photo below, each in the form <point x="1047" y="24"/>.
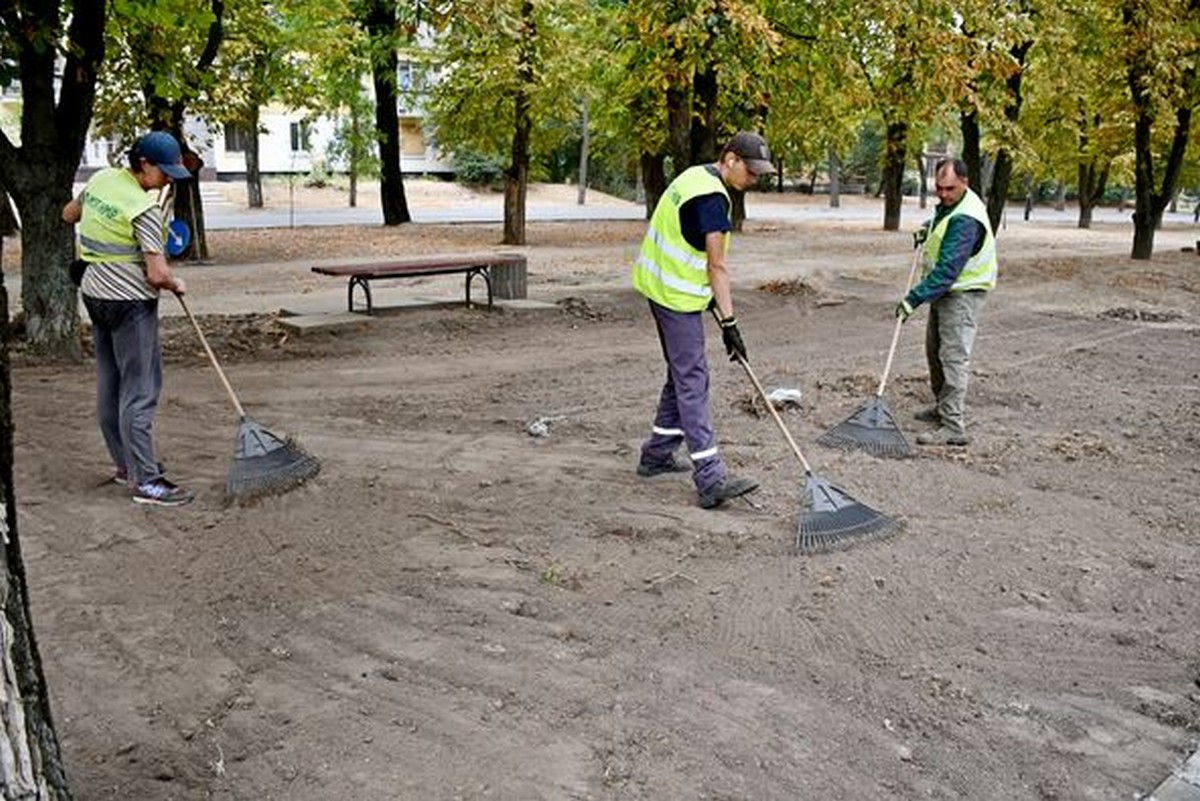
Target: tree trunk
<point x="1092" y="183"/>
<point x="968" y="124"/>
<point x="703" y="137"/>
<point x="894" y="147"/>
<point x="1139" y="69"/>
<point x="654" y="179"/>
<point x="1147" y="217"/>
<point x="254" y="195"/>
<point x="922" y="182"/>
<point x="679" y="129"/>
<point x="583" y="153"/>
<point x="381" y="24"/>
<point x="835" y="180"/>
<point x="516" y="177"/>
<point x="33" y="767"/>
<point x="356" y="154"/>
<point x="56" y="110"/>
<point x="48" y="297"/>
<point x="997" y="197"/>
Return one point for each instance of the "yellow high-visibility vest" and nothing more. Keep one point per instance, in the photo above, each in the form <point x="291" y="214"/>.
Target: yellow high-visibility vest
<point x="668" y="270"/>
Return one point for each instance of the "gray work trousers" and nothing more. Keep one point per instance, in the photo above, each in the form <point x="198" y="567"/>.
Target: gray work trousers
<point x="949" y="337"/>
<point x="128" y="382"/>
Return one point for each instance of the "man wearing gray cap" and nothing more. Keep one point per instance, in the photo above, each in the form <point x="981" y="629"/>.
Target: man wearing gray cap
<point x="122" y="241"/>
<point x="681" y="272"/>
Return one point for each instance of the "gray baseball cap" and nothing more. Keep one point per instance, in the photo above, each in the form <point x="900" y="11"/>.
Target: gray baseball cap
<point x="753" y="150"/>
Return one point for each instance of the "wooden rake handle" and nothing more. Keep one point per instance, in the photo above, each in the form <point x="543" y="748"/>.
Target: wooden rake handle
<point x="887" y="367"/>
<point x="762" y="393"/>
<point x="212" y="357"/>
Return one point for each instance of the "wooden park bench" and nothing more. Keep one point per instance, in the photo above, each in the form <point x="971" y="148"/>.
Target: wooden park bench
<point x="504" y="272"/>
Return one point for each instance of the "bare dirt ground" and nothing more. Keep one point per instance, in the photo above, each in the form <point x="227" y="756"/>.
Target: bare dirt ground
<point x="455" y="609"/>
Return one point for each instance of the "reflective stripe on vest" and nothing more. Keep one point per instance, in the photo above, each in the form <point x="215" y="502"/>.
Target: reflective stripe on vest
<point x="668" y="270"/>
<point x="111" y="200"/>
<point x="980" y="270"/>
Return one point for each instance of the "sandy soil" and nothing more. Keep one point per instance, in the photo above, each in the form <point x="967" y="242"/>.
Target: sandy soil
<point x="456" y="609"/>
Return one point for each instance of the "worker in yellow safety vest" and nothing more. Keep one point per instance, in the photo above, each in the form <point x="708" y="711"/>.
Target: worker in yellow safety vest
<point x="959" y="270"/>
<point x="681" y="271"/>
<point x="122" y="243"/>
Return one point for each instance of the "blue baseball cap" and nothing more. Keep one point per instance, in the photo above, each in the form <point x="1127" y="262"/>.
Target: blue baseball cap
<point x="162" y="150"/>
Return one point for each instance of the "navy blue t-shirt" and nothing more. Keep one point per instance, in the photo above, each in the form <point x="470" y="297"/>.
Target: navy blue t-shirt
<point x="703" y="215"/>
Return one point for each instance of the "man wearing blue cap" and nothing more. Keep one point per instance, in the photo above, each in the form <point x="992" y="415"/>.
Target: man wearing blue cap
<point x="122" y="241"/>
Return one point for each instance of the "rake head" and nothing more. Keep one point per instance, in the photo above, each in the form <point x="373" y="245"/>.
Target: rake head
<point x="835" y="520"/>
<point x="872" y="429"/>
<point x="264" y="464"/>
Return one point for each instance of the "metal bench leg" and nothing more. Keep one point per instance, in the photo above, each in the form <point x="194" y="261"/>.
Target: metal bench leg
<point x="358" y="280"/>
<point x="485" y="273"/>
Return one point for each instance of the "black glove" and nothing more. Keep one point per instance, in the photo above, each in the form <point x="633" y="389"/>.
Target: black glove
<point x="920" y="235"/>
<point x="733" y="339"/>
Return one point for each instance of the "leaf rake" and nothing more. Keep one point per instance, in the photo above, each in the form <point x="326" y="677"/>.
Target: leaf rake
<point x="872" y="427"/>
<point x="263" y="464"/>
<point x="832" y="519"/>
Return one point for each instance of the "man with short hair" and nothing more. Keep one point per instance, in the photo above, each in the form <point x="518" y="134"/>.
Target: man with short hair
<point x="681" y="272"/>
<point x="959" y="269"/>
<point x="122" y="240"/>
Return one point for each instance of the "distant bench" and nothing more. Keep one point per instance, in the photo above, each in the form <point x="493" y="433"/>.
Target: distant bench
<point x="505" y="269"/>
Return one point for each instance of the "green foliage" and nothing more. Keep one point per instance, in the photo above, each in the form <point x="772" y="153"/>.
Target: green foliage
<point x="478" y="170"/>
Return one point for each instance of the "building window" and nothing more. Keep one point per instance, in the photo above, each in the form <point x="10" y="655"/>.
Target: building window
<point x="236" y="139"/>
<point x="300" y="137"/>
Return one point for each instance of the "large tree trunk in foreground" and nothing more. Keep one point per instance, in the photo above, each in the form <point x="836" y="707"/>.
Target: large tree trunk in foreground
<point x="32" y="766"/>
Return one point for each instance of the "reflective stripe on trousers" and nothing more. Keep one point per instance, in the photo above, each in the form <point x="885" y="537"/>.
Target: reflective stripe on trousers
<point x="683" y="411"/>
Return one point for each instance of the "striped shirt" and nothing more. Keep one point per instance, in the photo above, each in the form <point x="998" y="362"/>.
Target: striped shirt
<point x="126" y="280"/>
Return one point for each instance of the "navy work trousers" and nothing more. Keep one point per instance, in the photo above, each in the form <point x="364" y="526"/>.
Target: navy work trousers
<point x="683" y="408"/>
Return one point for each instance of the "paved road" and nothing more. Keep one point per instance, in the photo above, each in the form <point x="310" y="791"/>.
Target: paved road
<point x="220" y="213"/>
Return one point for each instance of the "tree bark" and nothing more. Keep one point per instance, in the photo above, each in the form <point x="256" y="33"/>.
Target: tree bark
<point x="254" y="196"/>
<point x="968" y="124"/>
<point x="835" y="180"/>
<point x="516" y="177"/>
<point x="48" y="297"/>
<point x="39" y="174"/>
<point x="997" y="196"/>
<point x="894" y="148"/>
<point x="703" y="137"/>
<point x="584" y="144"/>
<point x="381" y="25"/>
<point x="654" y="179"/>
<point x="34" y="767"/>
<point x="1092" y="182"/>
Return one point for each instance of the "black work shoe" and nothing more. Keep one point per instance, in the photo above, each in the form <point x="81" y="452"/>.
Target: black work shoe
<point x="929" y="415"/>
<point x="943" y="436"/>
<point x="725" y="489"/>
<point x="671" y="465"/>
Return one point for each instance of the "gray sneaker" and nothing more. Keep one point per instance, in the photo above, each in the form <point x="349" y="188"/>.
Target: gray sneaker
<point x="726" y="488"/>
<point x="943" y="436"/>
<point x="161" y="492"/>
<point x="929" y="415"/>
